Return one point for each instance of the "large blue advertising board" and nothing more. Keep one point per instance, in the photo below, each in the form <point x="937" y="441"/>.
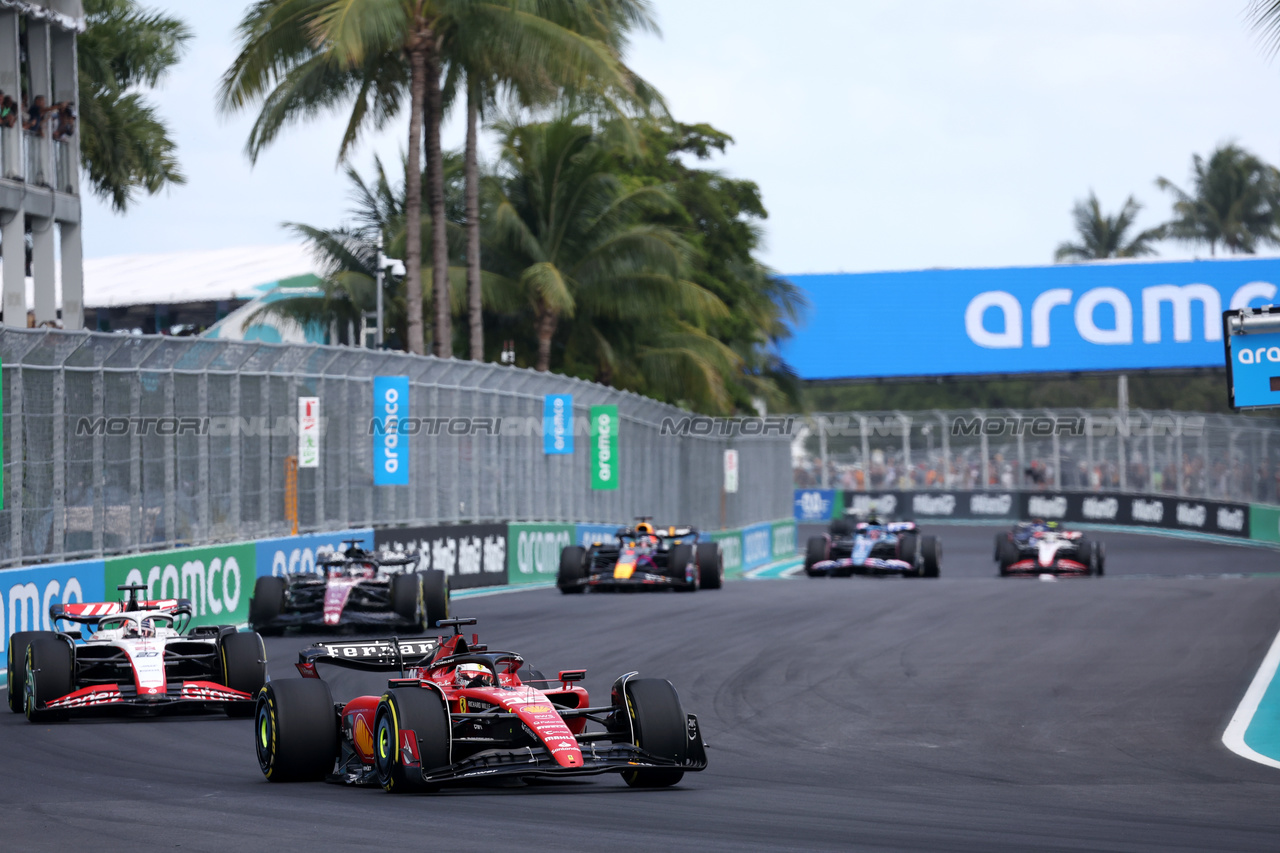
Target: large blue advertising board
<point x="390" y="445"/>
<point x="1073" y="317"/>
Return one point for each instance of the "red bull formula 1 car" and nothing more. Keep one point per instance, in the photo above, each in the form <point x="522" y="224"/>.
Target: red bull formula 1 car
<point x="1034" y="548"/>
<point x="643" y="558"/>
<point x="454" y="711"/>
<point x="873" y="547"/>
<point x="138" y="657"/>
<point x="354" y="587"/>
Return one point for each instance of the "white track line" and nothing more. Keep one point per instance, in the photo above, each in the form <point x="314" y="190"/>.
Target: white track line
<point x="1233" y="737"/>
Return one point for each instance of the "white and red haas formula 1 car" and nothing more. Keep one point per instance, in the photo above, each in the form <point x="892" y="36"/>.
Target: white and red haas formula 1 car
<point x="138" y="657"/>
<point x="1034" y="548"/>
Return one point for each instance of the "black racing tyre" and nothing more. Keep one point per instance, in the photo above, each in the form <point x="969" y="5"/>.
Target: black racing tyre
<point x="435" y="595"/>
<point x="296" y="730"/>
<point x="267" y="603"/>
<point x="710" y="565"/>
<point x="931" y="556"/>
<point x="678" y="560"/>
<point x="1000" y="539"/>
<point x="50" y="668"/>
<point x="842" y="527"/>
<point x="908" y="545"/>
<point x="659" y="725"/>
<point x="244" y="668"/>
<point x="1102" y="558"/>
<point x="423" y="712"/>
<point x="406" y="597"/>
<point x="1009" y="554"/>
<point x="573" y="568"/>
<point x="817" y="549"/>
<point x="17" y="663"/>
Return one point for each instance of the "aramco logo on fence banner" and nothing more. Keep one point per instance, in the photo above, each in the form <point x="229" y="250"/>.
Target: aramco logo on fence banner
<point x="604" y="447"/>
<point x="390" y="447"/>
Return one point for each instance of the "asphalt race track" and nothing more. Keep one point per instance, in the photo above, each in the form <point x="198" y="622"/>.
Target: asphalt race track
<point x="967" y="713"/>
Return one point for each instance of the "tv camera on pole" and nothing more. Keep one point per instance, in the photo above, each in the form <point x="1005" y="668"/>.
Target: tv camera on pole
<point x="1251" y="337"/>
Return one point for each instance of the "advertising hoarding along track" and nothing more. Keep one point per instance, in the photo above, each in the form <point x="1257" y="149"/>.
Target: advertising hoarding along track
<point x="1071" y="317"/>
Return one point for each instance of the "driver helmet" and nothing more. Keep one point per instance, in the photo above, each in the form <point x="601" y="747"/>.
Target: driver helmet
<point x="873" y="517"/>
<point x="147" y="628"/>
<point x="472" y="675"/>
<point x="644" y="527"/>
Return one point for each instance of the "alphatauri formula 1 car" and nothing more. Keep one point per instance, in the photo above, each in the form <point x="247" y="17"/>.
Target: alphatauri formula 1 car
<point x="138" y="657"/>
<point x="1034" y="548"/>
<point x="355" y="586"/>
<point x="873" y="548"/>
<point x="454" y="711"/>
<point x="643" y="558"/>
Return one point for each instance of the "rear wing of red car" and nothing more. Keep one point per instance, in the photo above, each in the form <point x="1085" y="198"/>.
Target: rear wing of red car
<point x="392" y="654"/>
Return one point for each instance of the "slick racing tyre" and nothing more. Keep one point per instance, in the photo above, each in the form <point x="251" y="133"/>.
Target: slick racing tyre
<point x="908" y="547"/>
<point x="930" y="556"/>
<point x="1008" y="555"/>
<point x="573" y="568"/>
<point x="1091" y="556"/>
<point x="244" y="668"/>
<point x="412" y="724"/>
<point x="658" y="722"/>
<point x="678" y="561"/>
<point x="266" y="604"/>
<point x="816" y="550"/>
<point x="50" y="666"/>
<point x="1102" y="557"/>
<point x="406" y="598"/>
<point x="1001" y="538"/>
<point x="18" y="668"/>
<point x="710" y="565"/>
<point x="435" y="595"/>
<point x="296" y="730"/>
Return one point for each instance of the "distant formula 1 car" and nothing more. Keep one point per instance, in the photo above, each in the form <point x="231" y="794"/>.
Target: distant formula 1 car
<point x="873" y="547"/>
<point x="456" y="712"/>
<point x="644" y="558"/>
<point x="352" y="587"/>
<point x="137" y="658"/>
<point x="1037" y="547"/>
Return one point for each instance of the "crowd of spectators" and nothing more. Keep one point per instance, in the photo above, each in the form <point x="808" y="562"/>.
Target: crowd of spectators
<point x="38" y="116"/>
<point x="1238" y="478"/>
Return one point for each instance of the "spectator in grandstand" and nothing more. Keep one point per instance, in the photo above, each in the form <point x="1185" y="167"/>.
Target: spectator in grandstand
<point x="8" y="111"/>
<point x="36" y="113"/>
<point x="66" y="120"/>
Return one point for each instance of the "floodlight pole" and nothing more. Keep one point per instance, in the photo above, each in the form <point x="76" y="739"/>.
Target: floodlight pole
<point x="378" y="330"/>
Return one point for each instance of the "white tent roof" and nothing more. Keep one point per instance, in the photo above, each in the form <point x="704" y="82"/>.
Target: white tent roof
<point x="205" y="276"/>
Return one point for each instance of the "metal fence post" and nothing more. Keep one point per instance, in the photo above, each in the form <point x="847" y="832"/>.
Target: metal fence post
<point x="59" y="461"/>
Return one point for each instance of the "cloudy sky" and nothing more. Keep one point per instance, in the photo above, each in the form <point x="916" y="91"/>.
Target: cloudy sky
<point x="883" y="134"/>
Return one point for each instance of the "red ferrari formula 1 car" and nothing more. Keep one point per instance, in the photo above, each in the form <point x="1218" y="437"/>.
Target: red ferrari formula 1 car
<point x="456" y="711"/>
<point x="139" y="658"/>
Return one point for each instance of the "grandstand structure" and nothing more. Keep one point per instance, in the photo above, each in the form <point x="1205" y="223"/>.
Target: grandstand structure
<point x="40" y="176"/>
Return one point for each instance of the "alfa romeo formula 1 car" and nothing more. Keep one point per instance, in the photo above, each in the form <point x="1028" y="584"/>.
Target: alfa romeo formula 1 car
<point x="1034" y="548"/>
<point x="354" y="587"/>
<point x="137" y="657"/>
<point x="644" y="558"/>
<point x="873" y="548"/>
<point x="454" y="711"/>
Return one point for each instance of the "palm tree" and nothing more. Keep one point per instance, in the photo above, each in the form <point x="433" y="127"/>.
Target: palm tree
<point x="123" y="142"/>
<point x="1234" y="201"/>
<point x="1103" y="236"/>
<point x="303" y="56"/>
<point x="574" y="239"/>
<point x="1264" y="16"/>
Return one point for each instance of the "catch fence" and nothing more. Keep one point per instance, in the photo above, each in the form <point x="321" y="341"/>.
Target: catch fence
<point x="1220" y="457"/>
<point x="122" y="443"/>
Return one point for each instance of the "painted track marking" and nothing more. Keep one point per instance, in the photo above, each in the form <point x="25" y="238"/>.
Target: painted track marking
<point x="1262" y="692"/>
